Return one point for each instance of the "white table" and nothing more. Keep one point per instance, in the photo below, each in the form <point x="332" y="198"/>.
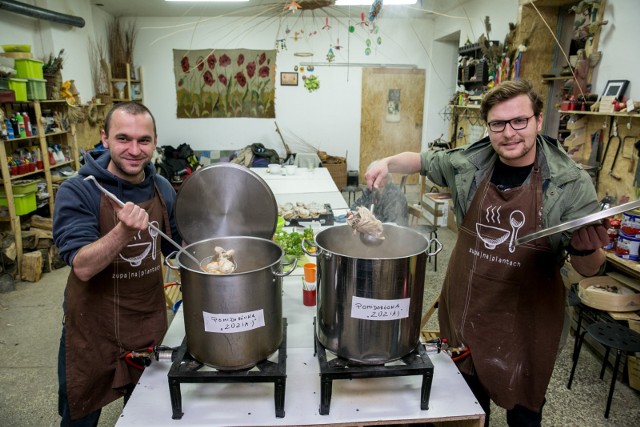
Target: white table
<point x="356" y="402"/>
<point x="306" y="187"/>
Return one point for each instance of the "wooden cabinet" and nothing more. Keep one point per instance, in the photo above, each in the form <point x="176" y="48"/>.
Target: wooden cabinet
<point x="53" y="148"/>
<point x="128" y="88"/>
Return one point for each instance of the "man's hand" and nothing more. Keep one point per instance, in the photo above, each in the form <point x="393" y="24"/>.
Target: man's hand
<point x="591" y="237"/>
<point x="376" y="176"/>
<point x="133" y="217"/>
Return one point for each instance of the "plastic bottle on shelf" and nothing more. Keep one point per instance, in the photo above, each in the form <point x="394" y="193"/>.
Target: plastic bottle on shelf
<point x="21" y="130"/>
<point x="14" y="126"/>
<point x="4" y="133"/>
<point x="10" y="134"/>
<point x="27" y="123"/>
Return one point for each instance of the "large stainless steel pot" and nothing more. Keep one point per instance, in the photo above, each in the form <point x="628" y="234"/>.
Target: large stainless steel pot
<point x="369" y="300"/>
<point x="233" y="321"/>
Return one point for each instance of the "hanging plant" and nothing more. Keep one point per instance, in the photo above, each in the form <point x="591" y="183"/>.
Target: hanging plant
<point x="312" y="83"/>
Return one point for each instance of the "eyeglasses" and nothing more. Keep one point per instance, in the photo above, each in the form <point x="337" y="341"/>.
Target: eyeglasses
<point x="518" y="123"/>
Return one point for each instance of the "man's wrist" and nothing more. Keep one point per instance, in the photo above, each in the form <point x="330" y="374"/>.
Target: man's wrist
<point x="576" y="252"/>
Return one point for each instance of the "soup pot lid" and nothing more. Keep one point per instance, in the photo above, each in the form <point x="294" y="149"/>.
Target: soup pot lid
<point x="222" y="200"/>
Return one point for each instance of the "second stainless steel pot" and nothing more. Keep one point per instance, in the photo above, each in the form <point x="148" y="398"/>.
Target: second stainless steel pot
<point x="369" y="300"/>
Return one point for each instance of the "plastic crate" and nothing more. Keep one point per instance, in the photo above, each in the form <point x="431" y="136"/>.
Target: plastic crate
<point x="29" y="69"/>
<point x="36" y="89"/>
<point x="19" y="87"/>
<point x="24" y="203"/>
<point x="22" y="187"/>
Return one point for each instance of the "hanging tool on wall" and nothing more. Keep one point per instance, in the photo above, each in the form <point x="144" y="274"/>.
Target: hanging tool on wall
<point x="636" y="179"/>
<point x="632" y="157"/>
<point x="614" y="135"/>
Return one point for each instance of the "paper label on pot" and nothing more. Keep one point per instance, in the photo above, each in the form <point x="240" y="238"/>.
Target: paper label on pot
<point x="379" y="309"/>
<point x="231" y="323"/>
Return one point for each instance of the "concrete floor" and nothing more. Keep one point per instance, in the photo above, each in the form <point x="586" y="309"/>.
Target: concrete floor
<point x="30" y="319"/>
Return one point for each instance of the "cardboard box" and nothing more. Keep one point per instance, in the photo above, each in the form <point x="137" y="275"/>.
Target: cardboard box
<point x="436" y="208"/>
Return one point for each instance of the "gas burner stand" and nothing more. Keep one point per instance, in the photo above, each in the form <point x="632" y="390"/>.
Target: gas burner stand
<point x="415" y="363"/>
<point x="185" y="369"/>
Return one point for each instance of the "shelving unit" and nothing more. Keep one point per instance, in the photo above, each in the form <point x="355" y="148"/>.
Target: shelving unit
<point x="128" y="92"/>
<point x="65" y="138"/>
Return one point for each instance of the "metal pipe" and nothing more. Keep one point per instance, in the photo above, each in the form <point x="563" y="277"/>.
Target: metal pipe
<point x="40" y="13"/>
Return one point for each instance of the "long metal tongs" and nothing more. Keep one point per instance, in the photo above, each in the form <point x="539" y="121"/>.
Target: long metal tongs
<point x="589" y="219"/>
<point x="156" y="229"/>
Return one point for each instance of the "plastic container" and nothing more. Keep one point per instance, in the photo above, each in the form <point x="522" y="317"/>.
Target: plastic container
<point x="628" y="247"/>
<point x="24" y="203"/>
<point x="22" y="187"/>
<point x="630" y="224"/>
<point x="36" y="89"/>
<point x="29" y="69"/>
<point x="19" y="87"/>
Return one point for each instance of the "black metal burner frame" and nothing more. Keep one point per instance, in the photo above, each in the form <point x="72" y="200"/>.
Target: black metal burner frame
<point x="415" y="363"/>
<point x="185" y="369"/>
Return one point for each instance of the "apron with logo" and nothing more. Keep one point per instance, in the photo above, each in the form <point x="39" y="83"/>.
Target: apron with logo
<point x="121" y="309"/>
<point x="505" y="302"/>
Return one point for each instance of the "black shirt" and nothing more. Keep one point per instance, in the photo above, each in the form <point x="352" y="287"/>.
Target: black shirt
<point x="505" y="176"/>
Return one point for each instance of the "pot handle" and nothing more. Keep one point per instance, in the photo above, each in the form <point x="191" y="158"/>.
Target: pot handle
<point x="315" y="253"/>
<point x="168" y="258"/>
<point x="437" y="249"/>
<point x="288" y="272"/>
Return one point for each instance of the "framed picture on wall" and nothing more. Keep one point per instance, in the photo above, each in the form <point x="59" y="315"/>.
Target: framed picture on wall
<point x="616" y="88"/>
<point x="288" y="79"/>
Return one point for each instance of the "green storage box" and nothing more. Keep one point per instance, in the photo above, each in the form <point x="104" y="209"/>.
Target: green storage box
<point x="19" y="87"/>
<point x="29" y="68"/>
<point x="36" y="89"/>
<point x="22" y="187"/>
<point x="24" y="203"/>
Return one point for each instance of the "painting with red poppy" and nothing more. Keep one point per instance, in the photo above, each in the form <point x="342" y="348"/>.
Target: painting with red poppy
<point x="215" y="83"/>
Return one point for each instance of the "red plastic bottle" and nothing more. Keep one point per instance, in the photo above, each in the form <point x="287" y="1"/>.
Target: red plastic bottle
<point x="27" y="123"/>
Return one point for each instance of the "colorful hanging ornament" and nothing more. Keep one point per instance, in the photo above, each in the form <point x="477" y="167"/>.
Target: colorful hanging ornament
<point x="292" y="6"/>
<point x="362" y="22"/>
<point x="379" y="40"/>
<point x="337" y="45"/>
<point x="330" y="55"/>
<point x="368" y="42"/>
<point x="351" y="28"/>
<point x="367" y="51"/>
<point x="326" y="23"/>
<point x="376" y="7"/>
<point x="310" y="68"/>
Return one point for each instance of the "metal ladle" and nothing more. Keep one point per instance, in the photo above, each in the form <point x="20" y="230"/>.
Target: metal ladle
<point x="368" y="239"/>
<point x="153" y="227"/>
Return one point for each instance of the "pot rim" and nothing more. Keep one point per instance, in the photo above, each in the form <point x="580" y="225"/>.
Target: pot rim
<point x="222" y="238"/>
<point x="373" y="256"/>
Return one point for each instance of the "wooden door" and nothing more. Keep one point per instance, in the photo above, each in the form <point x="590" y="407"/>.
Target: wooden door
<point x="392" y="109"/>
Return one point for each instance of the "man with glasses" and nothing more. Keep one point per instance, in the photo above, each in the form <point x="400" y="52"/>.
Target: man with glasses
<point x="505" y="303"/>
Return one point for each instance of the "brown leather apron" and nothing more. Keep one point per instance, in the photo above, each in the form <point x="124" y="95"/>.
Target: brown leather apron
<point x="505" y="302"/>
<point x="119" y="310"/>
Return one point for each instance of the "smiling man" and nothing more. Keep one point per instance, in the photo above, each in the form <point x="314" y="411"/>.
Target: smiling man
<point x="114" y="300"/>
<point x="505" y="303"/>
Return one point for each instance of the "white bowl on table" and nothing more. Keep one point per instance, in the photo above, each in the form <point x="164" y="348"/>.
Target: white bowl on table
<point x="274" y="168"/>
<point x="291" y="169"/>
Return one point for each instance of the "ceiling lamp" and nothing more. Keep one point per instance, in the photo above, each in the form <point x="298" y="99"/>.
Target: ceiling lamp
<point x="369" y="2"/>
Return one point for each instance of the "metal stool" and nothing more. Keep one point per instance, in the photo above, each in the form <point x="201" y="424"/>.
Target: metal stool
<point x="610" y="335"/>
<point x="352" y="191"/>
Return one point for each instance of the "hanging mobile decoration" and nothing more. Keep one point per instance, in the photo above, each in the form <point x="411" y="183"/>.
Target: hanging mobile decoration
<point x="379" y="40"/>
<point x="326" y="23"/>
<point x="310" y="68"/>
<point x="287" y="31"/>
<point x="292" y="6"/>
<point x="351" y="28"/>
<point x="281" y="44"/>
<point x="302" y="69"/>
<point x="362" y="22"/>
<point x="368" y="42"/>
<point x="330" y="55"/>
<point x="367" y="51"/>
<point x="337" y="45"/>
<point x="295" y="68"/>
<point x="376" y="7"/>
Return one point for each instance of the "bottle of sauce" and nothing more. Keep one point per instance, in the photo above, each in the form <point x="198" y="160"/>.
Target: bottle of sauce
<point x="27" y="123"/>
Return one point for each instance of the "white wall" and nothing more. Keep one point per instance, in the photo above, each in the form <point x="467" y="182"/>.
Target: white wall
<point x="328" y="119"/>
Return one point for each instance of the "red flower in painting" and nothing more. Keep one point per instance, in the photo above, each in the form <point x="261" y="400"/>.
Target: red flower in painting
<point x="241" y="79"/>
<point x="251" y="69"/>
<point x="180" y="82"/>
<point x="184" y="63"/>
<point x="200" y="63"/>
<point x="225" y="60"/>
<point x="264" y="71"/>
<point x="208" y="78"/>
<point x="222" y="79"/>
<point x="240" y="59"/>
<point x="211" y="61"/>
<point x="263" y="57"/>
